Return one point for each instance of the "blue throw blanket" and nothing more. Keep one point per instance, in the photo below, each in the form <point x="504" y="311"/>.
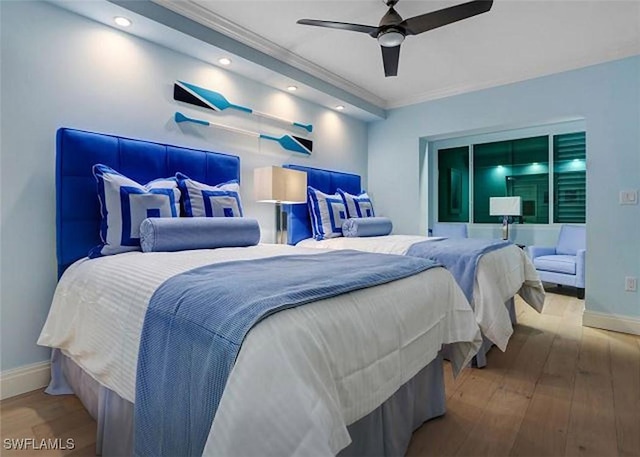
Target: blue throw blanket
<point x="197" y="321"/>
<point x="460" y="256"/>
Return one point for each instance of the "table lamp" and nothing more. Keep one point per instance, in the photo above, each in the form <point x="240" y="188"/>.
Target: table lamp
<point x="505" y="207"/>
<point x="280" y="186"/>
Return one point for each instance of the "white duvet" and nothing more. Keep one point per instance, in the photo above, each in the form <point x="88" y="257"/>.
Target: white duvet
<point x="499" y="276"/>
<point x="301" y="376"/>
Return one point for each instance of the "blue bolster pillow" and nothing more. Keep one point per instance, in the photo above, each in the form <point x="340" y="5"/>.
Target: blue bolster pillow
<point x="169" y="234"/>
<point x="367" y="226"/>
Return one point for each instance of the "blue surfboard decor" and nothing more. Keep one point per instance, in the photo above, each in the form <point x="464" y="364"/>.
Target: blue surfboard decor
<point x="205" y="98"/>
<point x="288" y="142"/>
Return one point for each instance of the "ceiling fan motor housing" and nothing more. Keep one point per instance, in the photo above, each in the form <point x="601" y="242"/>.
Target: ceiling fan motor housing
<point x="391" y="33"/>
<point x="391" y="38"/>
<point x="392" y="29"/>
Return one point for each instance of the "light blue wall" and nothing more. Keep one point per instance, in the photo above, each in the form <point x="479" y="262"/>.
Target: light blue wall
<point x="606" y="96"/>
<point x="59" y="69"/>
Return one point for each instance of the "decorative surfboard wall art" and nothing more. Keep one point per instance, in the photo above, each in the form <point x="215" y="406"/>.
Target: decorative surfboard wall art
<point x="288" y="142"/>
<point x="199" y="96"/>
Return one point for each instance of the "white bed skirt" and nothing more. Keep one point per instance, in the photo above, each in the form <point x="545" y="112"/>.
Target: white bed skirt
<point x="386" y="431"/>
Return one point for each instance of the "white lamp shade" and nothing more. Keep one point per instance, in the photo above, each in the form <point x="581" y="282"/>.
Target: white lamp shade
<point x="280" y="185"/>
<point x="505" y="206"/>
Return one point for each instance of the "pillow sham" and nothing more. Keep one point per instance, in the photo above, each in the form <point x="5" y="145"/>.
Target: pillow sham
<point x="367" y="226"/>
<point x="203" y="200"/>
<point x="357" y="205"/>
<point x="188" y="233"/>
<point x="327" y="212"/>
<point x="124" y="204"/>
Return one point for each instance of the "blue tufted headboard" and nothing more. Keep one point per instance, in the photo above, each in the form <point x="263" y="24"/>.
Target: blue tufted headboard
<point x="77" y="208"/>
<point x="327" y="181"/>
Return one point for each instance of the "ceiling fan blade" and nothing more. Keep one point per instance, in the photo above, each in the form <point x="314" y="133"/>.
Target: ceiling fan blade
<point x="435" y="19"/>
<point x="390" y="58"/>
<point x="371" y="30"/>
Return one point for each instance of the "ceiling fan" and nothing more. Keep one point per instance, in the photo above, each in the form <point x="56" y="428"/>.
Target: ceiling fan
<point x="392" y="29"/>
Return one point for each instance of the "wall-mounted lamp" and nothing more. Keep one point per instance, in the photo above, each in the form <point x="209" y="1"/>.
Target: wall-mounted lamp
<point x="280" y="185"/>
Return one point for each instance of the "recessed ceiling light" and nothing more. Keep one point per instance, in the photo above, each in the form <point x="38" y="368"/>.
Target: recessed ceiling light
<point x="339" y="107"/>
<point x="122" y="21"/>
<point x="225" y="61"/>
<point x="292" y="88"/>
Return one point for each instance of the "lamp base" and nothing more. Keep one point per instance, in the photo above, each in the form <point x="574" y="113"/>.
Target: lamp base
<point x="505" y="228"/>
<point x="281" y="231"/>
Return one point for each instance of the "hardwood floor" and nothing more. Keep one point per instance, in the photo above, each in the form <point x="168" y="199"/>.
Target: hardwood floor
<point x="559" y="389"/>
<point x="38" y="416"/>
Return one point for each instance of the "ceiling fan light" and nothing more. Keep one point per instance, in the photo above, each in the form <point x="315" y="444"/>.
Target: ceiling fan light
<point x="390" y="38"/>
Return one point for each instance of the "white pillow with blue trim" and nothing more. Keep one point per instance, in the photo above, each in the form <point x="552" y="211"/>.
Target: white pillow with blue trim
<point x="203" y="200"/>
<point x="124" y="204"/>
<point x="357" y="205"/>
<point x="327" y="212"/>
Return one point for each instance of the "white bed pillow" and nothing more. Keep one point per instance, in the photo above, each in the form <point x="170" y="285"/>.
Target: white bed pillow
<point x="327" y="213"/>
<point x="203" y="200"/>
<point x="124" y="204"/>
<point x="357" y="205"/>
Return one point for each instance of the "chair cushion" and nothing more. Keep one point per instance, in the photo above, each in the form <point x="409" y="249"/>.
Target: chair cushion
<point x="557" y="263"/>
<point x="450" y="230"/>
<point x="572" y="238"/>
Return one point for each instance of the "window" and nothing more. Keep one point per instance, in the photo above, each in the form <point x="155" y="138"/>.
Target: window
<point x="569" y="178"/>
<point x="547" y="171"/>
<point x="453" y="184"/>
<point x="510" y="169"/>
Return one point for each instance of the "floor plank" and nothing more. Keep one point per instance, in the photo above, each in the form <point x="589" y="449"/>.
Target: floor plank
<point x="544" y="428"/>
<point x="453" y="384"/>
<point x="592" y="426"/>
<point x="38" y="416"/>
<point x="496" y="430"/>
<point x="445" y="435"/>
<point x="625" y="371"/>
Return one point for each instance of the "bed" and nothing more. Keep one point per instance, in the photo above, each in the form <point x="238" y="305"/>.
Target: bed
<point x="315" y="379"/>
<point x="500" y="274"/>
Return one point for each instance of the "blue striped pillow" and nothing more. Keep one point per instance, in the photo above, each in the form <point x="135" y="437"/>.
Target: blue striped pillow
<point x="202" y="200"/>
<point x="124" y="204"/>
<point x="327" y="212"/>
<point x="357" y="205"/>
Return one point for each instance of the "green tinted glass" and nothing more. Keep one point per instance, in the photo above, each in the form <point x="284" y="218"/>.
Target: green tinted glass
<point x="453" y="184"/>
<point x="512" y="168"/>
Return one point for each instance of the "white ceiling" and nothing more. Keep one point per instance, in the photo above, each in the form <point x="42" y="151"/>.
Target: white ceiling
<point x="516" y="40"/>
<point x="143" y="27"/>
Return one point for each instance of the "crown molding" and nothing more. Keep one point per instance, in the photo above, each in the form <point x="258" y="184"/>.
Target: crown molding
<point x="238" y="33"/>
<point x="627" y="50"/>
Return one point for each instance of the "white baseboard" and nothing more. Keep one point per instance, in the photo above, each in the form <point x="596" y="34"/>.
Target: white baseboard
<point x="24" y="379"/>
<point x="614" y="322"/>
